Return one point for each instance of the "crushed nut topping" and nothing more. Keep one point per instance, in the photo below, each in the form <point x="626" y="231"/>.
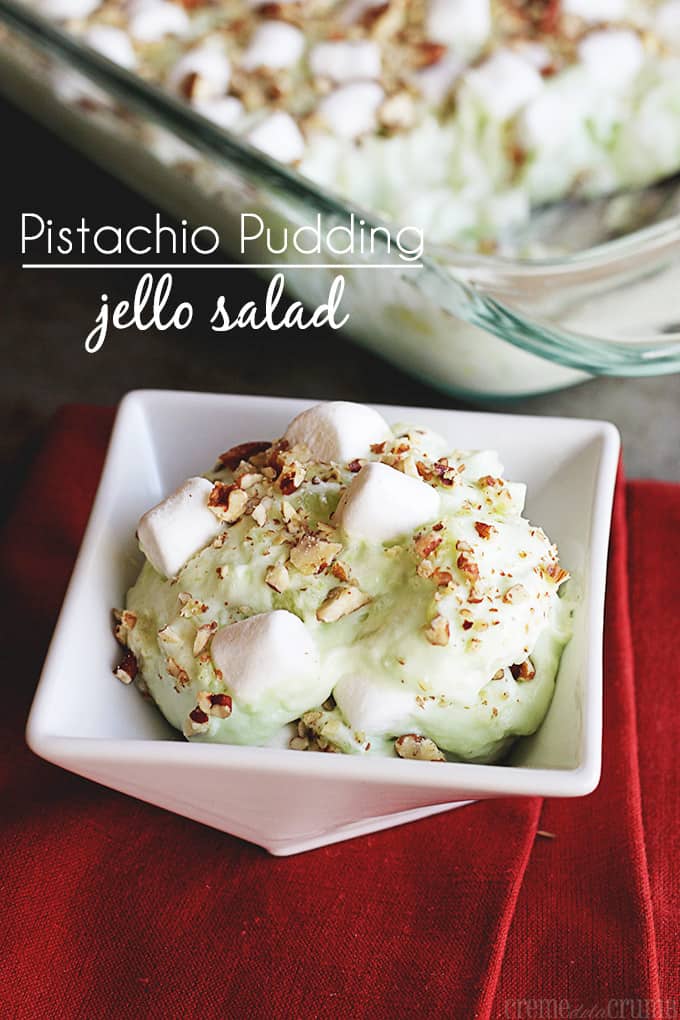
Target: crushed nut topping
<point x="179" y="674"/>
<point x="277" y="577"/>
<point x="203" y="635"/>
<point x="418" y="748"/>
<point x="340" y="602"/>
<point x="426" y="544"/>
<point x="227" y="502"/>
<point x="128" y="668"/>
<point x="517" y="593"/>
<point x="218" y="705"/>
<point x="523" y="671"/>
<point x="437" y="631"/>
<point x="468" y="567"/>
<point x="485" y="530"/>
<point x="312" y="555"/>
<point x="242" y="452"/>
<point x="197" y="721"/>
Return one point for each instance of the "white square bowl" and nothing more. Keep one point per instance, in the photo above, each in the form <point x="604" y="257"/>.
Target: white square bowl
<point x="287" y="801"/>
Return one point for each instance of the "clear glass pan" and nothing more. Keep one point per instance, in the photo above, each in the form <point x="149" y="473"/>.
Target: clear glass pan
<point x="480" y="326"/>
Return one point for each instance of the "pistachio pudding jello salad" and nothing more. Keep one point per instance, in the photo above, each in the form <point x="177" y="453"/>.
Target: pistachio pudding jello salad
<point x="350" y="587"/>
<point x="456" y="116"/>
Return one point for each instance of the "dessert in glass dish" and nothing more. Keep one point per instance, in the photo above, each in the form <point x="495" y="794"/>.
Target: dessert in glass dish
<point x="350" y="587"/>
<point x="457" y="116"/>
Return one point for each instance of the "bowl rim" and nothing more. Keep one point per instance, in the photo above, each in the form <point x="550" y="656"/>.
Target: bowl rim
<point x="464" y="284"/>
<point x="470" y="779"/>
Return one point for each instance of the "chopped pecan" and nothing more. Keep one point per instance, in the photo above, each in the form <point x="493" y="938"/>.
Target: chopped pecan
<point x="426" y="544"/>
<point x="311" y="555"/>
<point x="517" y="593"/>
<point x="277" y="577"/>
<point x="244" y="451"/>
<point x="468" y="567"/>
<point x="484" y="530"/>
<point x="437" y="631"/>
<point x="291" y="477"/>
<point x="555" y="573"/>
<point x="180" y="675"/>
<point x="227" y="502"/>
<point x="197" y="721"/>
<point x="127" y="670"/>
<point x="219" y="705"/>
<point x="340" y="570"/>
<point x="340" y="602"/>
<point x="203" y="635"/>
<point x="418" y="748"/>
<point x="523" y="671"/>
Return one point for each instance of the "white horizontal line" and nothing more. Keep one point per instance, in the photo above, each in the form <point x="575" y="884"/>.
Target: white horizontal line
<point x="218" y="265"/>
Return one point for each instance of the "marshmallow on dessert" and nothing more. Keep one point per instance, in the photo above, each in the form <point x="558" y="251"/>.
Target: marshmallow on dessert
<point x="112" y="43"/>
<point x="275" y="44"/>
<point x="465" y="25"/>
<point x="504" y="83"/>
<point x="279" y="137"/>
<point x="66" y="9"/>
<point x="371" y="707"/>
<point x="595" y="10"/>
<point x="436" y="81"/>
<point x="338" y="431"/>
<point x="612" y="56"/>
<point x="346" y="61"/>
<point x="381" y="504"/>
<point x="667" y="22"/>
<point x="269" y="655"/>
<point x="225" y="111"/>
<point x="352" y="110"/>
<point x="209" y="68"/>
<point x="178" y="527"/>
<point x="151" y="20"/>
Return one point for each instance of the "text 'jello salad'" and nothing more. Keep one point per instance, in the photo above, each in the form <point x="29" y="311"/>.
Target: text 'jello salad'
<point x="456" y="116"/>
<point x="349" y="587"/>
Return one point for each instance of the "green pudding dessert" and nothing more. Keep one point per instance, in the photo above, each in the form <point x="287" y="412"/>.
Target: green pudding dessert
<point x="350" y="587"/>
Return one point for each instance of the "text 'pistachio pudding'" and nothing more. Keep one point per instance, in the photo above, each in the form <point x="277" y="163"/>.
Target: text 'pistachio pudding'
<point x="349" y="587"/>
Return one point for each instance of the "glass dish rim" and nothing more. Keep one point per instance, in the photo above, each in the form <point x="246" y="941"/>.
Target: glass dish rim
<point x="455" y="269"/>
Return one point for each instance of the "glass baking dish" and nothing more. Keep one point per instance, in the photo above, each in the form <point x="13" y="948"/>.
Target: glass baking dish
<point x="473" y="325"/>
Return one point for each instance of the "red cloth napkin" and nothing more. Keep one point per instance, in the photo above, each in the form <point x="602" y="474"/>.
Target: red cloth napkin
<point x="113" y="908"/>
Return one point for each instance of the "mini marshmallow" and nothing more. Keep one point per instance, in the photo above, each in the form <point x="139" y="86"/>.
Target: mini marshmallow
<point x="338" y="431"/>
<point x="211" y="65"/>
<point x="381" y="504"/>
<point x="436" y="82"/>
<point x="178" y="527"/>
<point x="112" y="43"/>
<point x="465" y="25"/>
<point x="225" y="111"/>
<point x="596" y="10"/>
<point x="279" y="137"/>
<point x="546" y="121"/>
<point x="152" y="20"/>
<point x="504" y="84"/>
<point x="270" y="654"/>
<point x="346" y="61"/>
<point x="351" y="111"/>
<point x="371" y="707"/>
<point x="65" y="9"/>
<point x="275" y="44"/>
<point x="612" y="56"/>
<point x="667" y="22"/>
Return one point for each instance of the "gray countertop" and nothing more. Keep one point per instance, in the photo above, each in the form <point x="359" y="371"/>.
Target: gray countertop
<point x="46" y="316"/>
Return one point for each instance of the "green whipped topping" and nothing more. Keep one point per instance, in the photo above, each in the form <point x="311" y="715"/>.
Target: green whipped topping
<point x="448" y="644"/>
